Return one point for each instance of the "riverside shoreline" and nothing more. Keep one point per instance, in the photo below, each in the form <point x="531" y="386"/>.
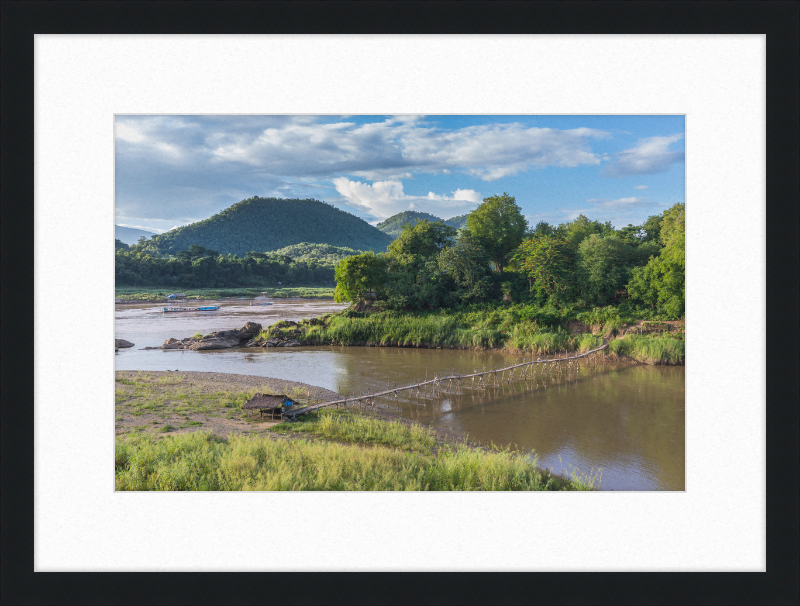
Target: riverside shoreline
<point x="335" y="450"/>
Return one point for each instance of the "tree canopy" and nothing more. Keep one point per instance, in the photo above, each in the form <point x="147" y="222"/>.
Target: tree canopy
<point x="358" y="276"/>
<point x="499" y="226"/>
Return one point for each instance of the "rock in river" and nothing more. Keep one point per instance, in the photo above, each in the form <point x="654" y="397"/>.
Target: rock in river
<point x="223" y="339"/>
<point x="122" y="343"/>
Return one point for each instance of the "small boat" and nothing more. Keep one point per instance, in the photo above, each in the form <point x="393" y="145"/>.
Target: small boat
<point x="177" y="309"/>
<point x="260" y="303"/>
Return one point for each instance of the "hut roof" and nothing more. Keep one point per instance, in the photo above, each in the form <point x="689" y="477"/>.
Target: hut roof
<point x="261" y="401"/>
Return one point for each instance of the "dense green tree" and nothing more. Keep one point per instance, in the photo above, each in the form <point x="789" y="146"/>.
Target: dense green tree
<point x="631" y="234"/>
<point x="602" y="267"/>
<point x="119" y="244"/>
<point x="548" y="261"/>
<point x="358" y="276"/>
<point x="420" y="240"/>
<point x="652" y="229"/>
<point x="499" y="226"/>
<point x="468" y="264"/>
<point x="661" y="284"/>
<point x="581" y="228"/>
<point x="415" y="280"/>
<point x="543" y="228"/>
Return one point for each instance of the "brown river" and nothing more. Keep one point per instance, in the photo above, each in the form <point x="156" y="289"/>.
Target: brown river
<point x="626" y="421"/>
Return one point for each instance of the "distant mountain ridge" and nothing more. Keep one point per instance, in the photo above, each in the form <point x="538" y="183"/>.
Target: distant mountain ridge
<point x="268" y="224"/>
<point x="457" y="222"/>
<point x="129" y="235"/>
<point x="394" y="224"/>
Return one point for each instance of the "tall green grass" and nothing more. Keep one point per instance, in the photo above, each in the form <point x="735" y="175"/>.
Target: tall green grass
<point x="407" y="330"/>
<point x="359" y="429"/>
<point x="650" y="350"/>
<point x="197" y="461"/>
<point x="442" y="330"/>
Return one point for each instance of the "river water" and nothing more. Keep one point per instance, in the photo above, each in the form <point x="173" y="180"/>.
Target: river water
<point x="626" y="420"/>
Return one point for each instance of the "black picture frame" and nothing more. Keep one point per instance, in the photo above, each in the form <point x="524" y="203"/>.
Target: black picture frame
<point x="780" y="584"/>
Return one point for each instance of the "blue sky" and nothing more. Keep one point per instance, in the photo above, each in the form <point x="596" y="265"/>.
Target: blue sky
<point x="172" y="170"/>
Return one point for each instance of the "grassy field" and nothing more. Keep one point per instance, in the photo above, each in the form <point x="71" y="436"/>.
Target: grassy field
<point x="131" y="293"/>
<point x="375" y="455"/>
<point x="175" y="435"/>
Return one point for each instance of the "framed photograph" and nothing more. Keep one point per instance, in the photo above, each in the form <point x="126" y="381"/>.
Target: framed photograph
<point x="728" y="75"/>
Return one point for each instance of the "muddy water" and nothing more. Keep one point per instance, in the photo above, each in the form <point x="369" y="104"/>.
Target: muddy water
<point x="627" y="420"/>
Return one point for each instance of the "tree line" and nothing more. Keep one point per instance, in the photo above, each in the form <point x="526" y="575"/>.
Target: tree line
<point x="577" y="264"/>
<point x="200" y="267"/>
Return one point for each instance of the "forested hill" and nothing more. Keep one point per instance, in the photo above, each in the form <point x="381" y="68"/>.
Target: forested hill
<point x="394" y="224"/>
<point x="266" y="224"/>
<point x="457" y="222"/>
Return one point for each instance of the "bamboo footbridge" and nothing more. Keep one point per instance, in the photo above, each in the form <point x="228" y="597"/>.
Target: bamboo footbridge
<point x="526" y="368"/>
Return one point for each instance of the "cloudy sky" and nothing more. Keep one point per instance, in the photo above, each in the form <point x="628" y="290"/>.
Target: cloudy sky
<point x="174" y="170"/>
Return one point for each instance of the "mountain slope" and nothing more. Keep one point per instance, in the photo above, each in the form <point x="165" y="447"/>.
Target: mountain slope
<point x="130" y="235"/>
<point x="457" y="222"/>
<point x="394" y="224"/>
<point x="265" y="224"/>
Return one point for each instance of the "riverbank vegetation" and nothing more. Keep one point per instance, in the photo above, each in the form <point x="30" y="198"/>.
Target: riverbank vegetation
<point x="456" y="330"/>
<point x="189" y="432"/>
<point x="497" y="283"/>
<point x="650" y="349"/>
<point x="571" y="268"/>
<point x="514" y="328"/>
<point x="201" y="461"/>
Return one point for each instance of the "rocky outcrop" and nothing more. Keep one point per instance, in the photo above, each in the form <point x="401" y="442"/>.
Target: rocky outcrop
<point x="286" y="333"/>
<point x="122" y="343"/>
<point x="223" y="339"/>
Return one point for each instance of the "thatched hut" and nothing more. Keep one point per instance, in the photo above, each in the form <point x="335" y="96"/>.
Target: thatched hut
<point x="265" y="403"/>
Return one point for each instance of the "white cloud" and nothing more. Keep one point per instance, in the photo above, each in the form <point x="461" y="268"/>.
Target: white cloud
<point x="640" y="187"/>
<point x="650" y="156"/>
<point x="383" y="199"/>
<point x="128" y="132"/>
<point x="395" y="147"/>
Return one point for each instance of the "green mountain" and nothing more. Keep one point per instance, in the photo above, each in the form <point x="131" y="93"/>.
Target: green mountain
<point x="394" y="224"/>
<point x="457" y="222"/>
<point x="129" y="235"/>
<point x="265" y="224"/>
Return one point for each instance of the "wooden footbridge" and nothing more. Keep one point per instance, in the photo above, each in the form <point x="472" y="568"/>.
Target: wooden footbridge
<point x="443" y="384"/>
